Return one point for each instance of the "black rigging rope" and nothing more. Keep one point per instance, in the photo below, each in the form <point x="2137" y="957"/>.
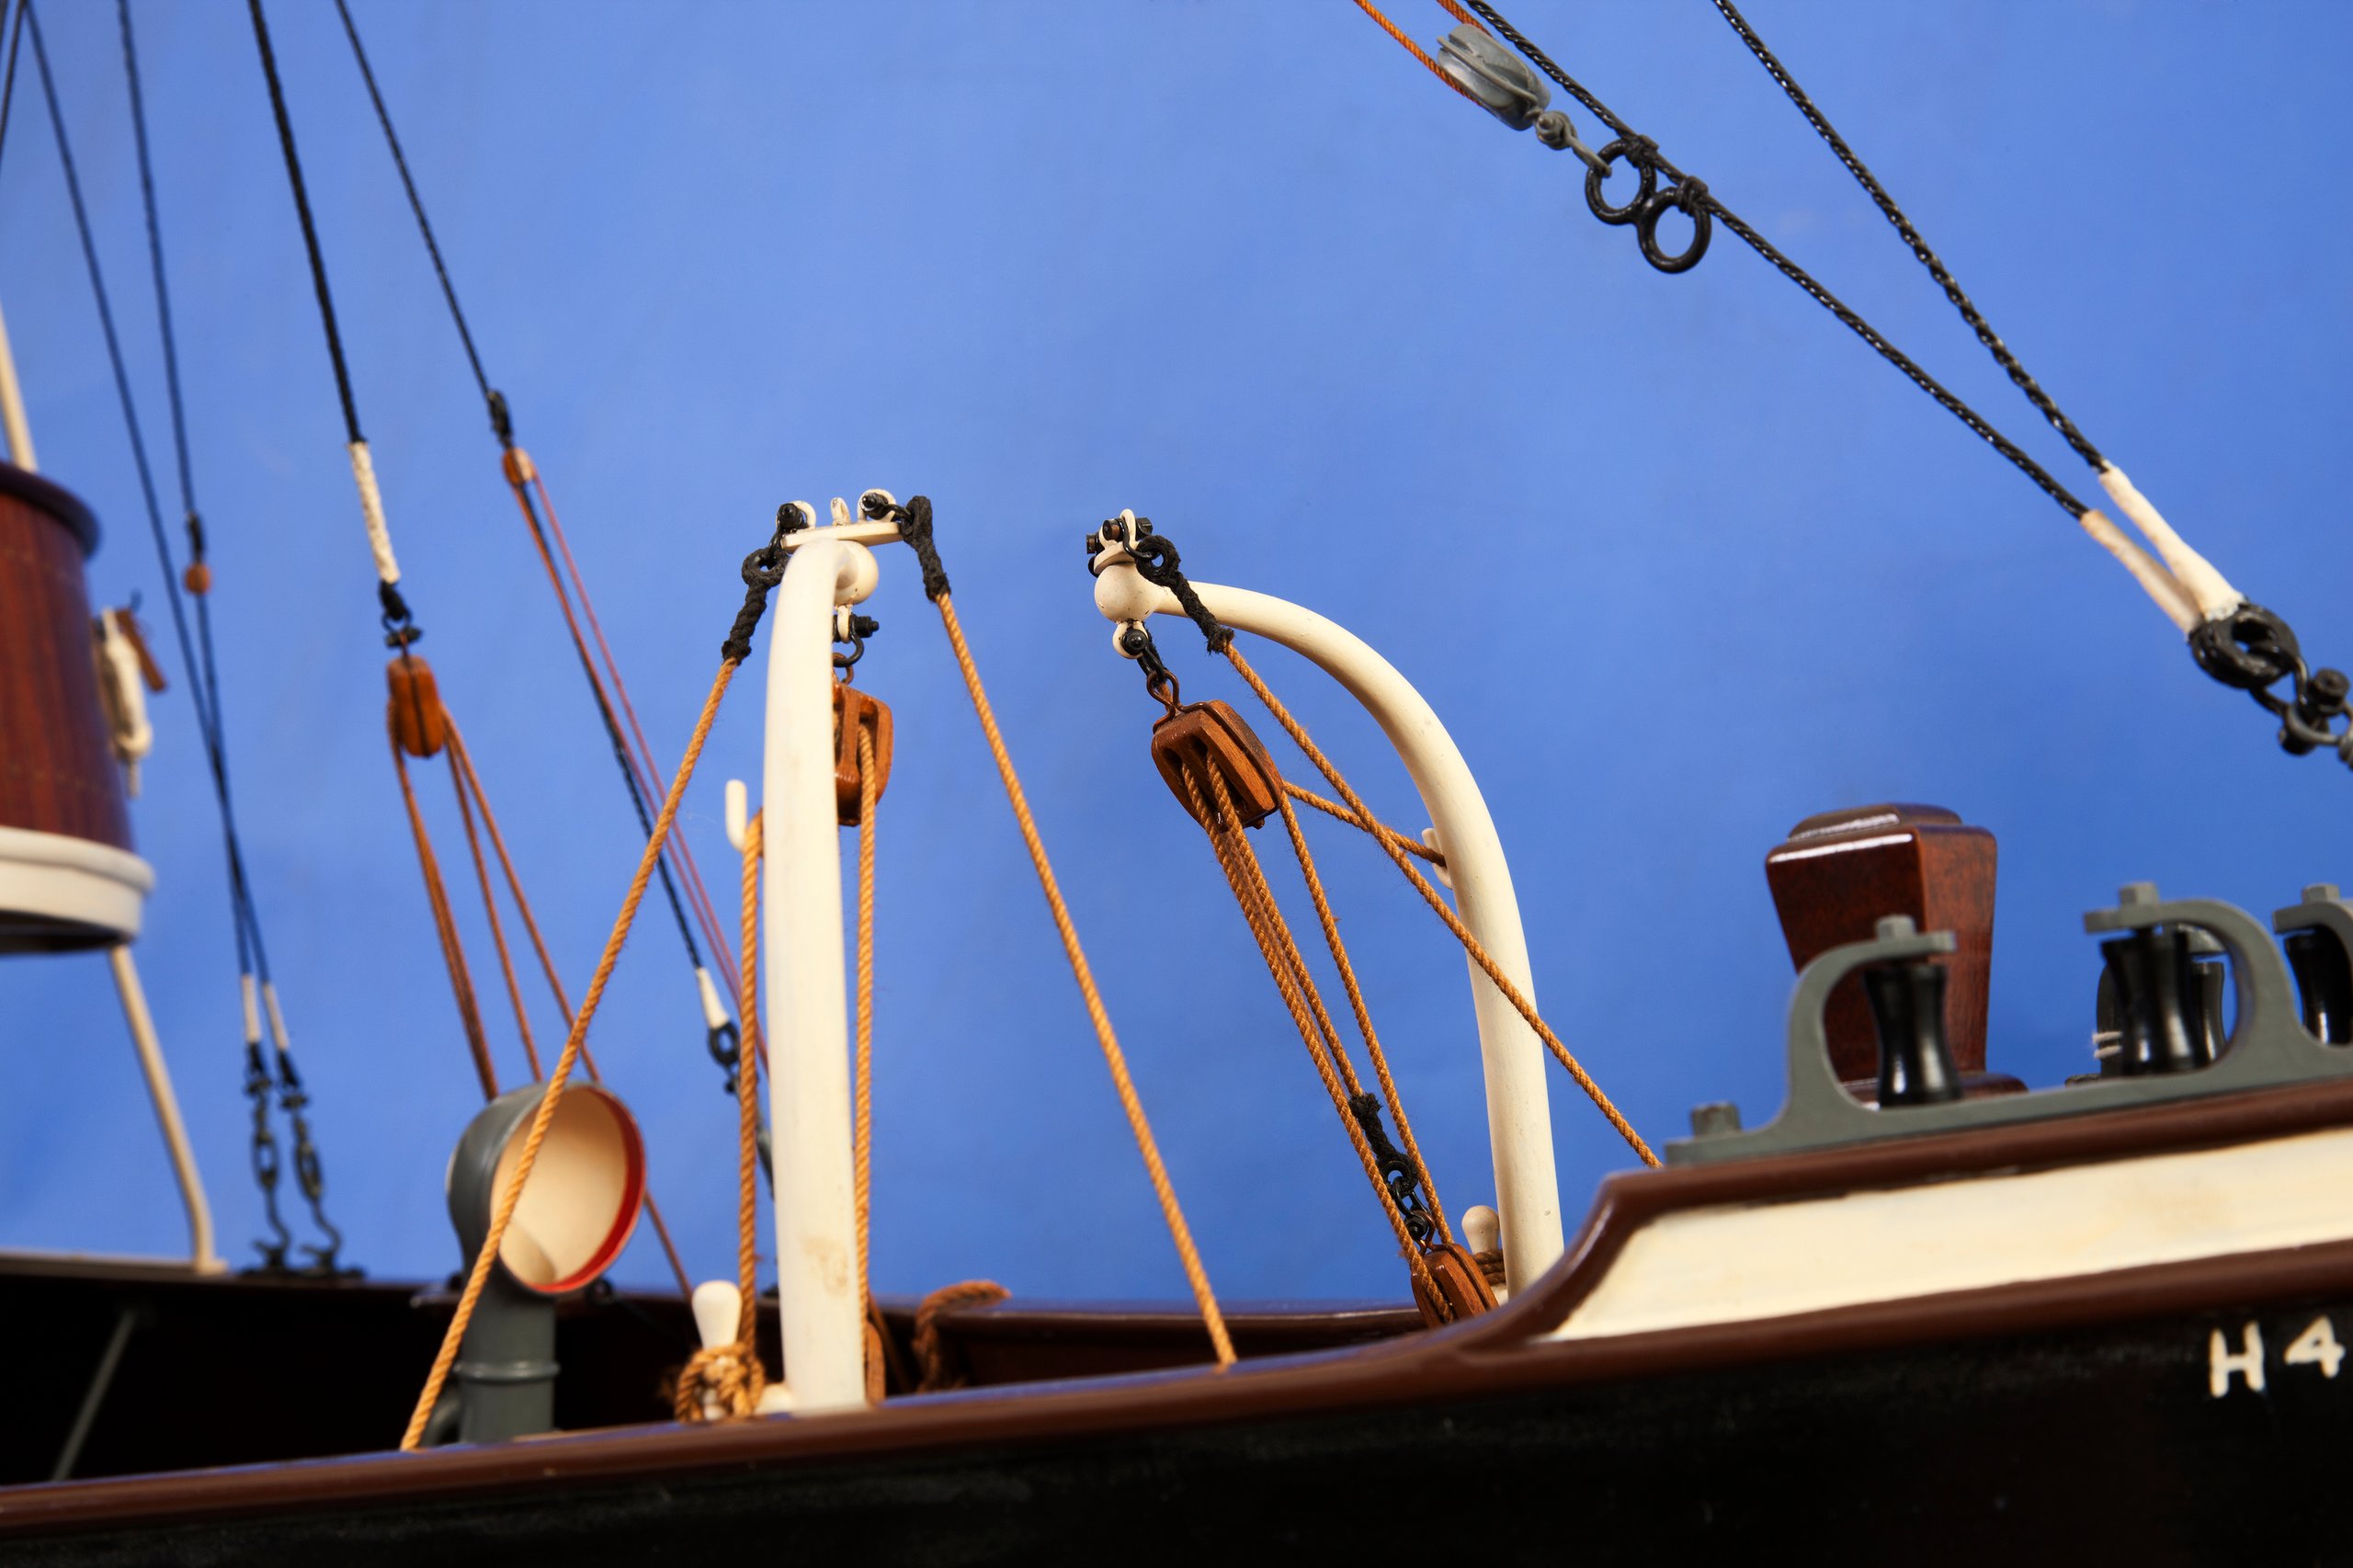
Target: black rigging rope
<point x="1928" y="259"/>
<point x="15" y="51"/>
<point x="497" y="405"/>
<point x="2240" y="644"/>
<point x="253" y="952"/>
<point x="1700" y="199"/>
<point x="502" y="425"/>
<point x="203" y="687"/>
<point x="310" y="227"/>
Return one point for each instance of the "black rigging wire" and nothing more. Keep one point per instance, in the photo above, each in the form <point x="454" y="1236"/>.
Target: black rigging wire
<point x="203" y="690"/>
<point x="1928" y="259"/>
<point x="416" y="205"/>
<point x="502" y="423"/>
<point x="15" y="51"/>
<point x="309" y="228"/>
<point x="1845" y="315"/>
<point x="253" y="952"/>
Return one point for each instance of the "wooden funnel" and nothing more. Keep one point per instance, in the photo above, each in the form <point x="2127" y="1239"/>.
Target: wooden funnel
<point x="1840" y="872"/>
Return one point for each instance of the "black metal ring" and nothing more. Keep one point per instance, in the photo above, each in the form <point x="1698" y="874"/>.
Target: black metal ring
<point x="2250" y="648"/>
<point x="1594" y="177"/>
<point x="1646" y="231"/>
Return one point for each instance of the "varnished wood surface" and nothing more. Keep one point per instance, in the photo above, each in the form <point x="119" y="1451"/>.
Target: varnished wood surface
<point x="1841" y="872"/>
<point x="57" y="772"/>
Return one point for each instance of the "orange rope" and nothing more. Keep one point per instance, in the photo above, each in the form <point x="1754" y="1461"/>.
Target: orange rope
<point x="573" y="1040"/>
<point x="747" y="1105"/>
<point x="869" y="795"/>
<point x="706" y="913"/>
<point x="1415" y="49"/>
<point x="497" y="928"/>
<point x="1249" y="880"/>
<point x="1179" y="1233"/>
<point x="1470" y="944"/>
<point x="1364" y="1015"/>
<point x="445" y="926"/>
<point x="522" y="470"/>
<point x="1454" y="9"/>
<point x="734" y="1374"/>
<point x="1415" y="848"/>
<point x="462" y="762"/>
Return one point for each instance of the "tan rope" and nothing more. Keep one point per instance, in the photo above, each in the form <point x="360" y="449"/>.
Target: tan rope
<point x="1415" y="49"/>
<point x="522" y="472"/>
<point x="1284" y="962"/>
<point x="732" y="1374"/>
<point x="1378" y="829"/>
<point x="541" y="1119"/>
<point x="1179" y="1233"/>
<point x="445" y="926"/>
<point x="1470" y="944"/>
<point x="939" y="1369"/>
<point x="462" y="763"/>
<point x="497" y="928"/>
<point x="1364" y="1015"/>
<point x="862" y="1138"/>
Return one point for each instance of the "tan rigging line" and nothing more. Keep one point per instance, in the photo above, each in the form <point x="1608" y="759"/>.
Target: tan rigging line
<point x="1430" y="895"/>
<point x="1195" y="1274"/>
<point x="1415" y="49"/>
<point x="574" y="1041"/>
<point x="462" y="764"/>
<point x="869" y="794"/>
<point x="445" y="926"/>
<point x="523" y="477"/>
<point x="1378" y="829"/>
<point x="498" y="927"/>
<point x="1284" y="962"/>
<point x="1371" y="1036"/>
<point x="732" y="1374"/>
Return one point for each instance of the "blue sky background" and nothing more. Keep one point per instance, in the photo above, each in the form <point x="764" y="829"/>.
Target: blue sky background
<point x="1677" y="560"/>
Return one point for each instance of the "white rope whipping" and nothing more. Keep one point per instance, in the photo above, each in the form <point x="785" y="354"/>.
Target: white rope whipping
<point x="371" y="506"/>
<point x="2205" y="587"/>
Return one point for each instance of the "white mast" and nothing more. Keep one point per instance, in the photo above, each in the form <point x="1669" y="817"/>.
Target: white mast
<point x="1519" y="1125"/>
<point x="807" y="1035"/>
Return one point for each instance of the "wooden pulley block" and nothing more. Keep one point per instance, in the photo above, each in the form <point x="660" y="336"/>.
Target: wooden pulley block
<point x="852" y="710"/>
<point x="1463" y="1287"/>
<point x="1205" y="735"/>
<point x="420" y="727"/>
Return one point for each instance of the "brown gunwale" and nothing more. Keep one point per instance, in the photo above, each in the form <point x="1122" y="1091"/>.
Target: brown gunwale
<point x="1493" y="1356"/>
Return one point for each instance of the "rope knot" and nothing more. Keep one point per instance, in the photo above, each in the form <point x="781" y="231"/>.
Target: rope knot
<point x="729" y="1377"/>
<point x="1689" y="194"/>
<point x="1158" y="563"/>
<point x="763" y="570"/>
<point x="914" y="527"/>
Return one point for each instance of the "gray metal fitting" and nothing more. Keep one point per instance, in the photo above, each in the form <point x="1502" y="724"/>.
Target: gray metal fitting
<point x="1502" y="83"/>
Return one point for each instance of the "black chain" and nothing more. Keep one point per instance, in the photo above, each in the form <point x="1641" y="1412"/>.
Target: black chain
<point x="1397" y="1173"/>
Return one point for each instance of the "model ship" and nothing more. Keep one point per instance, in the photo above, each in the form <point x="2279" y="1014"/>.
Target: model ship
<point x="2103" y="1310"/>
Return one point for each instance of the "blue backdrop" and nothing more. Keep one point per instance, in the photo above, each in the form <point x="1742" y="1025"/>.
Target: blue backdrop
<point x="1676" y="558"/>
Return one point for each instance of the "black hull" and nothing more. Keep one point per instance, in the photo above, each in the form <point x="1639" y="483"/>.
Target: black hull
<point x="2102" y="1444"/>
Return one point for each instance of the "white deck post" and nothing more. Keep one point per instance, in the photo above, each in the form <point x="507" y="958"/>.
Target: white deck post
<point x="808" y="1031"/>
<point x="201" y="1252"/>
<point x="1519" y="1125"/>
